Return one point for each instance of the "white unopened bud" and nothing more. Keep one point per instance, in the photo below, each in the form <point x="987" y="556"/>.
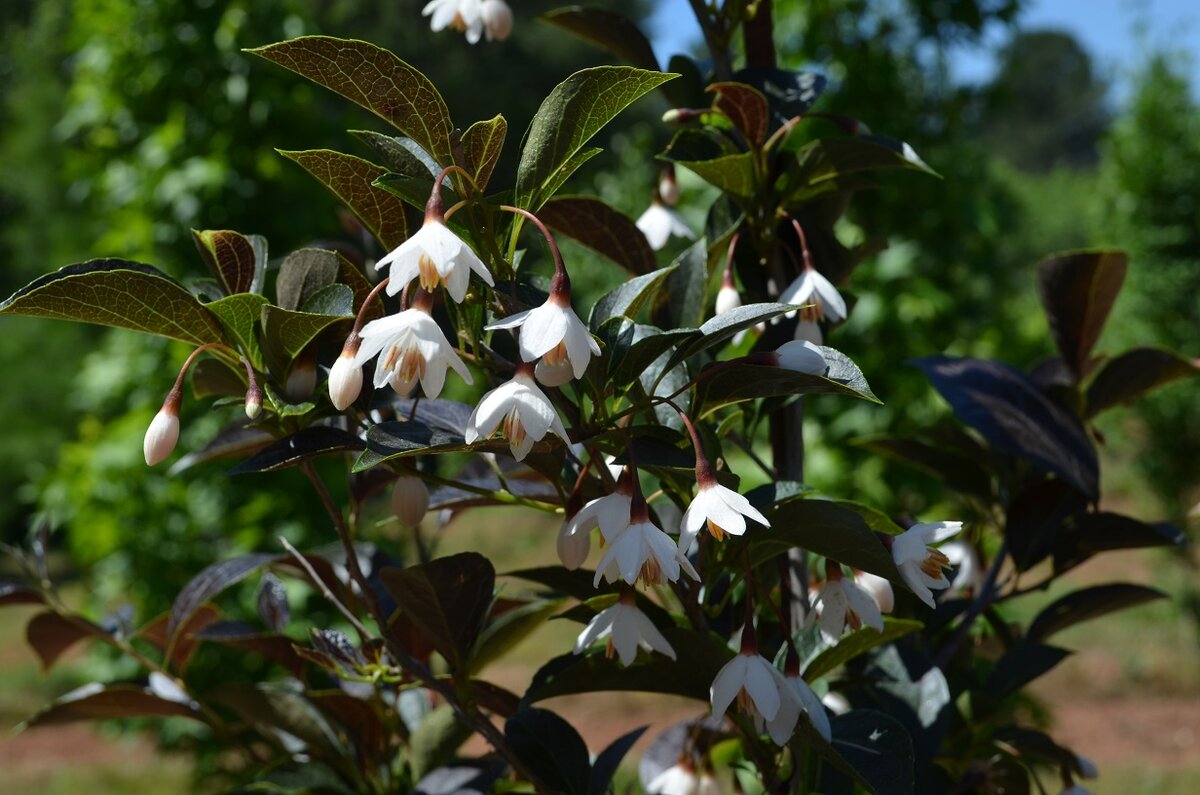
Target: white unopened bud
<point x="345" y="380"/>
<point x="801" y="356"/>
<point x="497" y="19"/>
<point x="410" y="500"/>
<point x="253" y="402"/>
<point x="879" y="589"/>
<point x="573" y="547"/>
<point x="727" y="299"/>
<point x="163" y="433"/>
<point x="302" y="379"/>
<point x="668" y="188"/>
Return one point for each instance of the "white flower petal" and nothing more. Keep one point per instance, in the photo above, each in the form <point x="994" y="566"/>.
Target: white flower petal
<point x="728" y="683"/>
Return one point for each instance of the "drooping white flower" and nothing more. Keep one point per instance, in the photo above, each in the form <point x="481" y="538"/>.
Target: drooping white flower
<point x="553" y="333"/>
<point x="836" y="702"/>
<point x="626" y="628"/>
<point x="797" y="699"/>
<point x="410" y="500"/>
<point x="437" y="256"/>
<point x="640" y="550"/>
<point x="163" y="433"/>
<point x="556" y="374"/>
<point x="753" y="682"/>
<point x="345" y="377"/>
<point x="843" y="602"/>
<point x="497" y="19"/>
<point x="679" y="779"/>
<point x="811" y="287"/>
<point x="969" y="577"/>
<point x="801" y="356"/>
<point x="462" y="15"/>
<point x="610" y="512"/>
<point x="659" y="223"/>
<point x="922" y="566"/>
<point x="411" y="347"/>
<point x="524" y="409"/>
<point x="722" y="510"/>
<point x="879" y="588"/>
<point x="728" y="299"/>
<point x="809" y="330"/>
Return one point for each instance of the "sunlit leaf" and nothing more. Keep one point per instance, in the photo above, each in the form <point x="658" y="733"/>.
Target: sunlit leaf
<point x="233" y="259"/>
<point x="352" y="179"/>
<point x="482" y="144"/>
<point x="599" y="227"/>
<point x="745" y="106"/>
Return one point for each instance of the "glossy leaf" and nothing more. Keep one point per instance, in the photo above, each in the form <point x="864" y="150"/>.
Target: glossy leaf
<point x="558" y="177"/>
<point x="302" y="273"/>
<point x="288" y="332"/>
<point x="727" y="325"/>
<point x="628" y="297"/>
<point x="272" y="603"/>
<point x="632" y="347"/>
<point x="239" y="315"/>
<point x="1088" y="603"/>
<point x="789" y="94"/>
<point x="827" y="529"/>
<point x="211" y="581"/>
<point x="1137" y="372"/>
<point x="304" y="445"/>
<point x="551" y="748"/>
<point x="352" y="180"/>
<point x="390" y="440"/>
<point x="608" y="760"/>
<point x="333" y="299"/>
<point x="745" y="107"/>
<point x="482" y="144"/>
<point x="447" y="599"/>
<point x="1092" y="533"/>
<point x="401" y="154"/>
<point x="50" y="634"/>
<point x="739" y="382"/>
<point x="99" y="702"/>
<point x="858" y="643"/>
<point x="683" y="304"/>
<point x="446" y="415"/>
<point x="877" y="748"/>
<point x="830" y="159"/>
<point x="1011" y="412"/>
<point x="599" y="227"/>
<point x="115" y="292"/>
<point x="375" y="79"/>
<point x="697" y="151"/>
<point x="608" y="30"/>
<point x="233" y="260"/>
<point x="576" y="110"/>
<point x="1078" y="290"/>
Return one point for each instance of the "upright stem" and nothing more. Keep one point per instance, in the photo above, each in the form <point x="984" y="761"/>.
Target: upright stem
<point x="758" y="38"/>
<point x="716" y="40"/>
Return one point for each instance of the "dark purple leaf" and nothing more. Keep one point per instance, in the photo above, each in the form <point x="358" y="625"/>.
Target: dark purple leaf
<point x="232" y="258"/>
<point x="1088" y="603"/>
<point x="273" y="607"/>
<point x="1078" y="290"/>
<point x="608" y="760"/>
<point x="1091" y="533"/>
<point x="1135" y="373"/>
<point x="208" y="583"/>
<point x="551" y="748"/>
<point x="98" y="702"/>
<point x="304" y="445"/>
<point x="50" y="634"/>
<point x="604" y="230"/>
<point x="746" y="107"/>
<point x="240" y="635"/>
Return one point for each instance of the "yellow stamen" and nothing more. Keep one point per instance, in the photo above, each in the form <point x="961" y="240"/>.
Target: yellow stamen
<point x="609" y="649"/>
<point x="651" y="573"/>
<point x="935" y="562"/>
<point x="428" y="272"/>
<point x="716" y="531"/>
<point x="514" y="431"/>
<point x="412" y="366"/>
<point x="556" y="355"/>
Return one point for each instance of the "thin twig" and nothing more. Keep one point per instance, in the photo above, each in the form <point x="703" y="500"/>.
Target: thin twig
<point x="324" y="589"/>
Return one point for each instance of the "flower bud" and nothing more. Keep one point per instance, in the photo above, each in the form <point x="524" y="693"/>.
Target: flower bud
<point x="410" y="500"/>
<point x="345" y="379"/>
<point x="163" y="433"/>
<point x="801" y="356"/>
<point x="573" y="546"/>
<point x="254" y="398"/>
<point x="302" y="379"/>
<point x="727" y="299"/>
<point x="668" y="188"/>
<point x="497" y="19"/>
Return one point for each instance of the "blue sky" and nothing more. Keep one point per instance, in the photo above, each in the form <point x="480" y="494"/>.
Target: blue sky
<point x="1116" y="32"/>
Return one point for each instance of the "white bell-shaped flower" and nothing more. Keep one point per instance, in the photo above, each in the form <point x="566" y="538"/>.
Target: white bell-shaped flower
<point x="411" y="348"/>
<point x="659" y="223"/>
<point x="626" y="628"/>
<point x="798" y="699"/>
<point x="811" y="287"/>
<point x="553" y="333"/>
<point x="678" y="779"/>
<point x="526" y="412"/>
<point x="880" y="589"/>
<point x="968" y="577"/>
<point x="842" y="602"/>
<point x="497" y="19"/>
<point x="640" y="550"/>
<point x="722" y="510"/>
<point x="437" y="256"/>
<point x="461" y="15"/>
<point x="753" y="682"/>
<point x="922" y="566"/>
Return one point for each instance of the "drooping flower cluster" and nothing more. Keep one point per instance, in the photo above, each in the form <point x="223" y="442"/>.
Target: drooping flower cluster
<point x="471" y="17"/>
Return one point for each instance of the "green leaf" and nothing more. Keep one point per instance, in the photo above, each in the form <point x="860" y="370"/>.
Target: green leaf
<point x="607" y="30"/>
<point x="302" y="273"/>
<point x="576" y="110"/>
<point x="726" y="326"/>
<point x="700" y="153"/>
<point x="375" y="79"/>
<point x="332" y="299"/>
<point x="286" y="333"/>
<point x="632" y="347"/>
<point x="482" y="143"/>
<point x="400" y="154"/>
<point x="683" y="304"/>
<point x="628" y="298"/>
<point x="115" y="292"/>
<point x="564" y="172"/>
<point x="1135" y="373"/>
<point x="551" y="748"/>
<point x="599" y="227"/>
<point x="352" y="180"/>
<point x="447" y="600"/>
<point x="400" y="439"/>
<point x="745" y="107"/>
<point x="509" y="629"/>
<point x="50" y="634"/>
<point x="704" y="654"/>
<point x="1019" y="666"/>
<point x="436" y="740"/>
<point x="830" y="159"/>
<point x="875" y="749"/>
<point x="828" y="529"/>
<point x="96" y="701"/>
<point x="1088" y="603"/>
<point x="233" y="259"/>
<point x="239" y="314"/>
<point x="856" y="644"/>
<point x="1078" y="290"/>
<point x="738" y="382"/>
